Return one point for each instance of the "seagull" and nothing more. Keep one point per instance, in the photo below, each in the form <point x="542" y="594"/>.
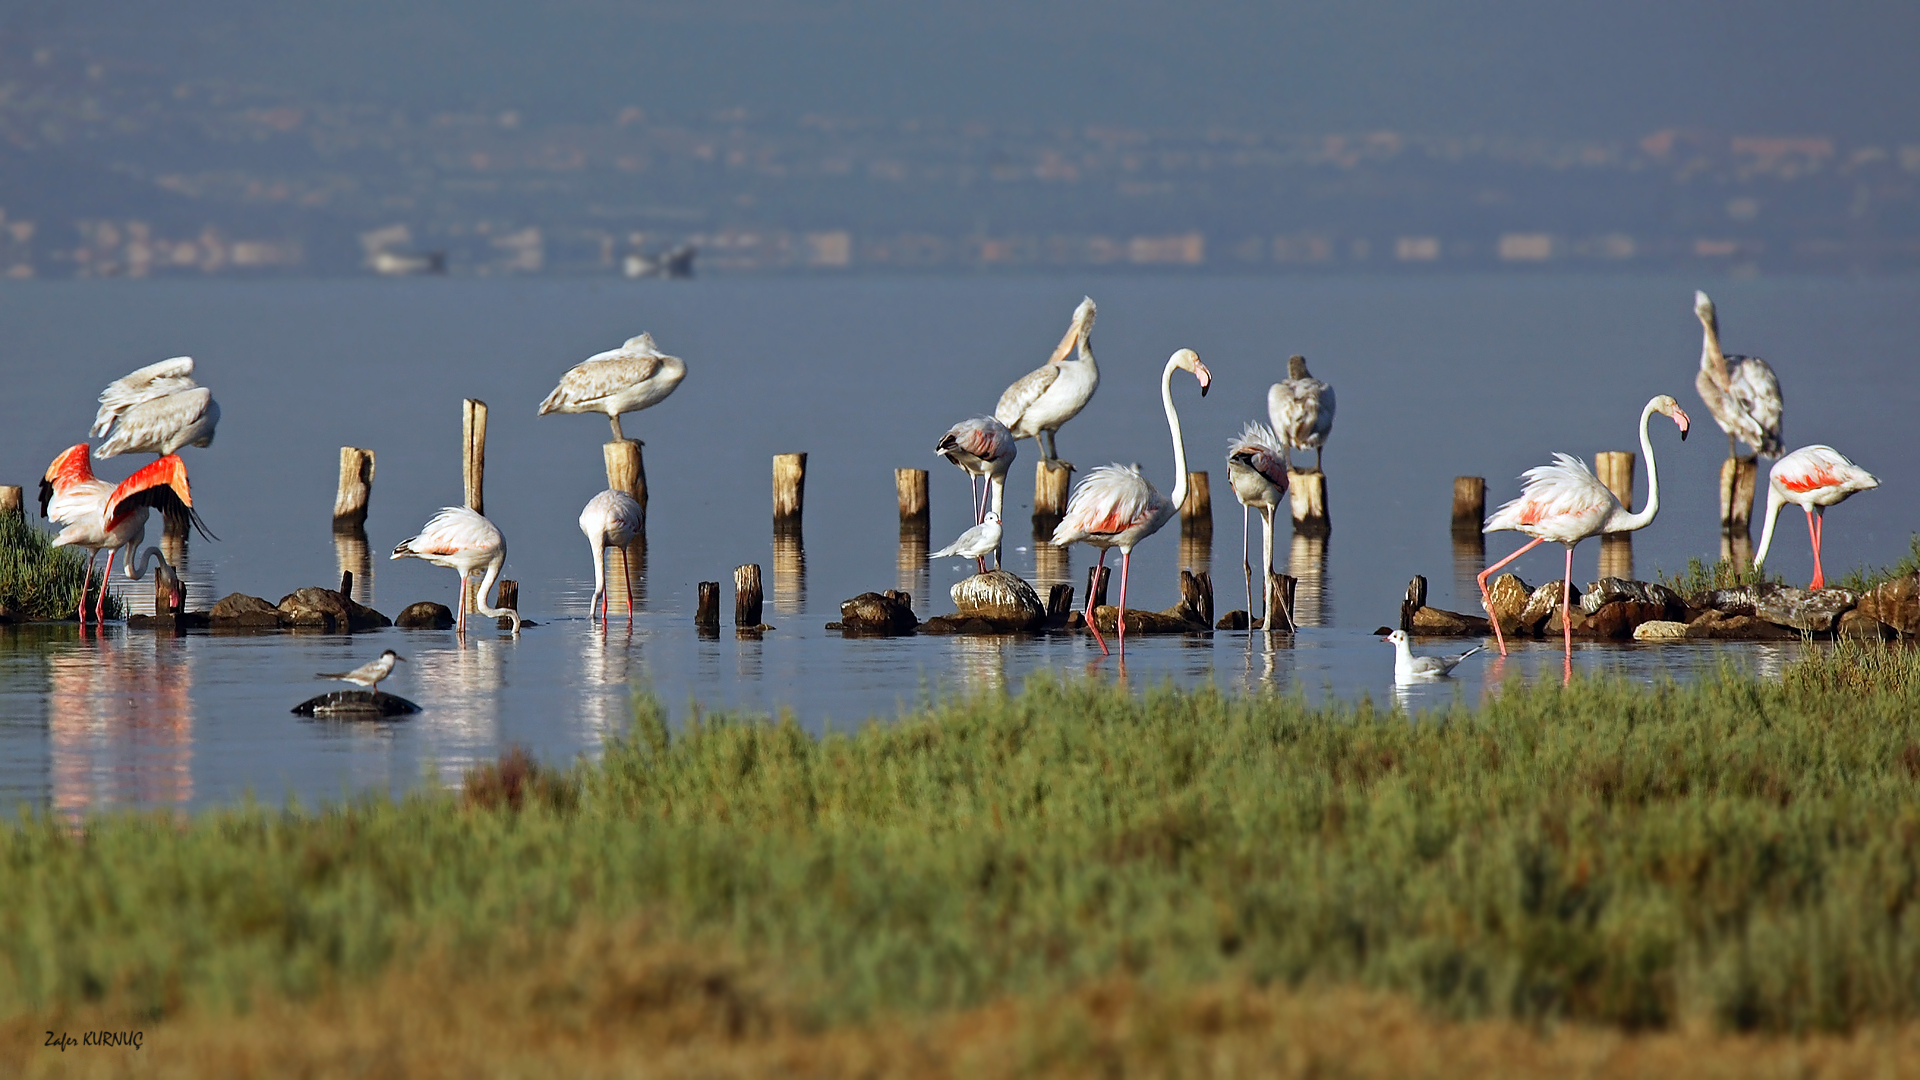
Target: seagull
<point x="368" y="674"/>
<point x="976" y="543"/>
<point x="1410" y="668"/>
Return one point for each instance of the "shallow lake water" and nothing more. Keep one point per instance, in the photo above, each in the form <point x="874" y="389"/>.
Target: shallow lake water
<point x="1484" y="376"/>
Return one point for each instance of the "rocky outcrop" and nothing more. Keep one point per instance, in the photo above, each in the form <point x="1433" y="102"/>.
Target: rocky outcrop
<point x="326" y="611"/>
<point x="1805" y="609"/>
<point x="873" y="614"/>
<point x="238" y="611"/>
<point x="1660" y="630"/>
<point x="356" y="705"/>
<point x="996" y="602"/>
<point x="1895" y="603"/>
<point x="1435" y="622"/>
<point x="1858" y="626"/>
<point x="1544" y="605"/>
<point x="1611" y="589"/>
<point x="1719" y="626"/>
<point x="425" y="615"/>
<point x="1510" y="596"/>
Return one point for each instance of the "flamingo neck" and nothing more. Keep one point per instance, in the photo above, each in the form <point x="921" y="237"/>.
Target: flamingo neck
<point x="1179" y="495"/>
<point x="1774" y="503"/>
<point x="599" y="573"/>
<point x="1623" y="521"/>
<point x="137" y="569"/>
<point x="998" y="483"/>
<point x="486" y="585"/>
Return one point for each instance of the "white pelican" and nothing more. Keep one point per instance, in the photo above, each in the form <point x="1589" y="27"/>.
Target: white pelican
<point x="627" y="379"/>
<point x="611" y="520"/>
<point x="1257" y="468"/>
<point x="368" y="674"/>
<point x="106" y="517"/>
<point x="976" y="543"/>
<point x="1055" y="393"/>
<point x="1409" y="668"/>
<point x="1115" y="506"/>
<point x="1812" y="478"/>
<point x="1565" y="503"/>
<point x="1301" y="409"/>
<point x="1741" y="392"/>
<point x="459" y="539"/>
<point x="158" y="408"/>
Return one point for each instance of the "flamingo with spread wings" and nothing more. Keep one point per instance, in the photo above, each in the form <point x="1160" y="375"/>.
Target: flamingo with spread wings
<point x="1812" y="478"/>
<point x="100" y="516"/>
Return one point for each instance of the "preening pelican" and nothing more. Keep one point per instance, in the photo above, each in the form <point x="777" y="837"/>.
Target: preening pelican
<point x="107" y="517"/>
<point x="1257" y="467"/>
<point x="1741" y="392"/>
<point x="1115" y="506"/>
<point x="459" y="539"/>
<point x="1048" y="397"/>
<point x="1301" y="409"/>
<point x="634" y="376"/>
<point x="1812" y="478"/>
<point x="158" y="408"/>
<point x="1564" y="502"/>
<point x="611" y="520"/>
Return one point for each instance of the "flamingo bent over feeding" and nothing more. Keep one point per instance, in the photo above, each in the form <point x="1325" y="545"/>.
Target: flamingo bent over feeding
<point x="1741" y="392"/>
<point x="1257" y="468"/>
<point x="1812" y="478"/>
<point x="460" y="539"/>
<point x="976" y="543"/>
<point x="611" y="519"/>
<point x="107" y="517"/>
<point x="1115" y="506"/>
<point x="1564" y="502"/>
<point x="1301" y="409"/>
<point x="627" y="379"/>
<point x="1049" y="396"/>
<point x="982" y="447"/>
<point x="158" y="409"/>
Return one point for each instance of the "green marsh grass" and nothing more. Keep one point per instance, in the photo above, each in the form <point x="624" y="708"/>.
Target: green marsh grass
<point x="1740" y="853"/>
<point x="38" y="580"/>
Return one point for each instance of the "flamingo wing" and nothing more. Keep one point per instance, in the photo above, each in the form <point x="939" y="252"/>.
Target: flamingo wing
<point x="1111" y="500"/>
<point x="1820" y="470"/>
<point x="1561" y="500"/>
<point x="147" y="383"/>
<point x="1757" y="391"/>
<point x="162" y="486"/>
<point x="455" y="530"/>
<point x="1021" y="396"/>
<point x="984" y="437"/>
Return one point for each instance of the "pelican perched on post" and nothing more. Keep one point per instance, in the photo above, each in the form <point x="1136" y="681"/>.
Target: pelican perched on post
<point x="1301" y="409"/>
<point x="100" y="516"/>
<point x="1741" y="392"/>
<point x="460" y="539"/>
<point x="158" y="408"/>
<point x="981" y="447"/>
<point x="634" y="376"/>
<point x="1055" y="393"/>
<point x="611" y="520"/>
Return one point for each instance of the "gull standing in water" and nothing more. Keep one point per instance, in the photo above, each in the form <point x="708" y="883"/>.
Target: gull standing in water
<point x="627" y="379"/>
<point x="1043" y="399"/>
<point x="976" y="543"/>
<point x="1410" y="668"/>
<point x="158" y="408"/>
<point x="368" y="674"/>
<point x="460" y="539"/>
<point x="1301" y="409"/>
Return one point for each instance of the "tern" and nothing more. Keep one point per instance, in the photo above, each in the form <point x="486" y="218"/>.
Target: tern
<point x="368" y="674"/>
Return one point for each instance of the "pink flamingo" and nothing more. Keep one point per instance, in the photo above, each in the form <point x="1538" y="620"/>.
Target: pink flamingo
<point x="1115" y="506"/>
<point x="106" y="517"/>
<point x="1257" y="467"/>
<point x="611" y="520"/>
<point x="1565" y="503"/>
<point x="460" y="539"/>
<point x="982" y="447"/>
<point x="1812" y="478"/>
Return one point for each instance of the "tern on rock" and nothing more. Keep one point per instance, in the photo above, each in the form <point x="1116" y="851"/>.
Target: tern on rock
<point x="368" y="674"/>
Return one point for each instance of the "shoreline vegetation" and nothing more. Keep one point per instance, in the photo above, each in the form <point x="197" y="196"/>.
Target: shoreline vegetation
<point x="1072" y="879"/>
<point x="39" y="581"/>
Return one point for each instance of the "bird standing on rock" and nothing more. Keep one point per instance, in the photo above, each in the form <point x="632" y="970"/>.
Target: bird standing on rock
<point x="1301" y="409"/>
<point x="1053" y="394"/>
<point x="627" y="379"/>
<point x="368" y="674"/>
<point x="976" y="543"/>
<point x="1410" y="668"/>
<point x="460" y="539"/>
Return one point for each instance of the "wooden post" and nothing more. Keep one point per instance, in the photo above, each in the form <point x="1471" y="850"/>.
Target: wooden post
<point x="1737" y="479"/>
<point x="1614" y="468"/>
<point x="746" y="597"/>
<point x="356" y="486"/>
<point x="1469" y="503"/>
<point x="1196" y="595"/>
<point x="910" y="487"/>
<point x="1280" y="589"/>
<point x="473" y="456"/>
<point x="346" y="589"/>
<point x="1416" y="599"/>
<point x="1196" y="513"/>
<point x="626" y="468"/>
<point x="10" y="504"/>
<point x="789" y="489"/>
<point x="1059" y="602"/>
<point x="707" y="618"/>
<point x="508" y="596"/>
<point x="1050" y="491"/>
<point x="1097" y="584"/>
<point x="1308" y="491"/>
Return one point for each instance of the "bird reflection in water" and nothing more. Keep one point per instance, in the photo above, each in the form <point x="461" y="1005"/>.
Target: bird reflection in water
<point x="910" y="566"/>
<point x="607" y="670"/>
<point x="462" y="680"/>
<point x="789" y="573"/>
<point x="120" y="724"/>
<point x="350" y="551"/>
<point x="618" y="570"/>
<point x="1307" y="563"/>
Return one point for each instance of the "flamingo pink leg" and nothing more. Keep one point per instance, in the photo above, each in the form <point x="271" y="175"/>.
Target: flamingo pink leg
<point x="1120" y="617"/>
<point x="1486" y="598"/>
<point x="460" y="620"/>
<point x="1566" y="604"/>
<point x="100" y="608"/>
<point x="86" y="579"/>
<point x="1090" y="623"/>
<point x="626" y="569"/>
<point x="1814" y="530"/>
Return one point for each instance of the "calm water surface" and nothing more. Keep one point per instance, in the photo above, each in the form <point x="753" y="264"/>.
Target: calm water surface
<point x="1436" y="379"/>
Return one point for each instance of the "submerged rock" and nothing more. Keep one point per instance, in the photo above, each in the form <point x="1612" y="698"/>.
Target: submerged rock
<point x="425" y="615"/>
<point x="1660" y="630"/>
<point x="885" y="614"/>
<point x="326" y="610"/>
<point x="356" y="705"/>
<point x="1002" y="598"/>
<point x="240" y="611"/>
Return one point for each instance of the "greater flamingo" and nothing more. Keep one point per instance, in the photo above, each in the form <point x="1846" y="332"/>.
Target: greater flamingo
<point x="1115" y="506"/>
<point x="1812" y="478"/>
<point x="976" y="543"/>
<point x="107" y="517"/>
<point x="368" y="674"/>
<point x="1741" y="392"/>
<point x="1054" y="393"/>
<point x="459" y="539"/>
<point x="982" y="447"/>
<point x="1301" y="409"/>
<point x="158" y="408"/>
<point x="1257" y="468"/>
<point x="627" y="379"/>
<point x="611" y="520"/>
<point x="1409" y="668"/>
<point x="1565" y="503"/>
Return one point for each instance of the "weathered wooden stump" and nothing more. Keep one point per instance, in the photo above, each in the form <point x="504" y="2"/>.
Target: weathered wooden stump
<point x="1737" y="479"/>
<point x="1469" y="505"/>
<point x="1308" y="494"/>
<point x="1416" y="599"/>
<point x="509" y="597"/>
<point x="1097" y="583"/>
<point x="627" y="470"/>
<point x="354" y="490"/>
<point x="789" y="490"/>
<point x="1059" y="604"/>
<point x="706" y="617"/>
<point x="747" y="599"/>
<point x="1052" y="485"/>
<point x="473" y="438"/>
<point x="910" y="488"/>
<point x="1280" y="593"/>
<point x="1196" y="512"/>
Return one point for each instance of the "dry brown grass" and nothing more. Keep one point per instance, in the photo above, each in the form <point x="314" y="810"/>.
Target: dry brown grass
<point x="626" y="1002"/>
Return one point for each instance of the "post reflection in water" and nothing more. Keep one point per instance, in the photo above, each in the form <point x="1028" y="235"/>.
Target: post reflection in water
<point x="1616" y="556"/>
<point x="1052" y="566"/>
<point x="120" y="724"/>
<point x="350" y="551"/>
<point x="1469" y="558"/>
<point x="617" y="571"/>
<point x="910" y="568"/>
<point x="1307" y="563"/>
<point x="462" y="680"/>
<point x="981" y="661"/>
<point x="1196" y="550"/>
<point x="789" y="573"/>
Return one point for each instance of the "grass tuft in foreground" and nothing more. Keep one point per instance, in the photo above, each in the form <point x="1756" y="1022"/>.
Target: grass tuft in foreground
<point x="38" y="580"/>
<point x="1739" y="854"/>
